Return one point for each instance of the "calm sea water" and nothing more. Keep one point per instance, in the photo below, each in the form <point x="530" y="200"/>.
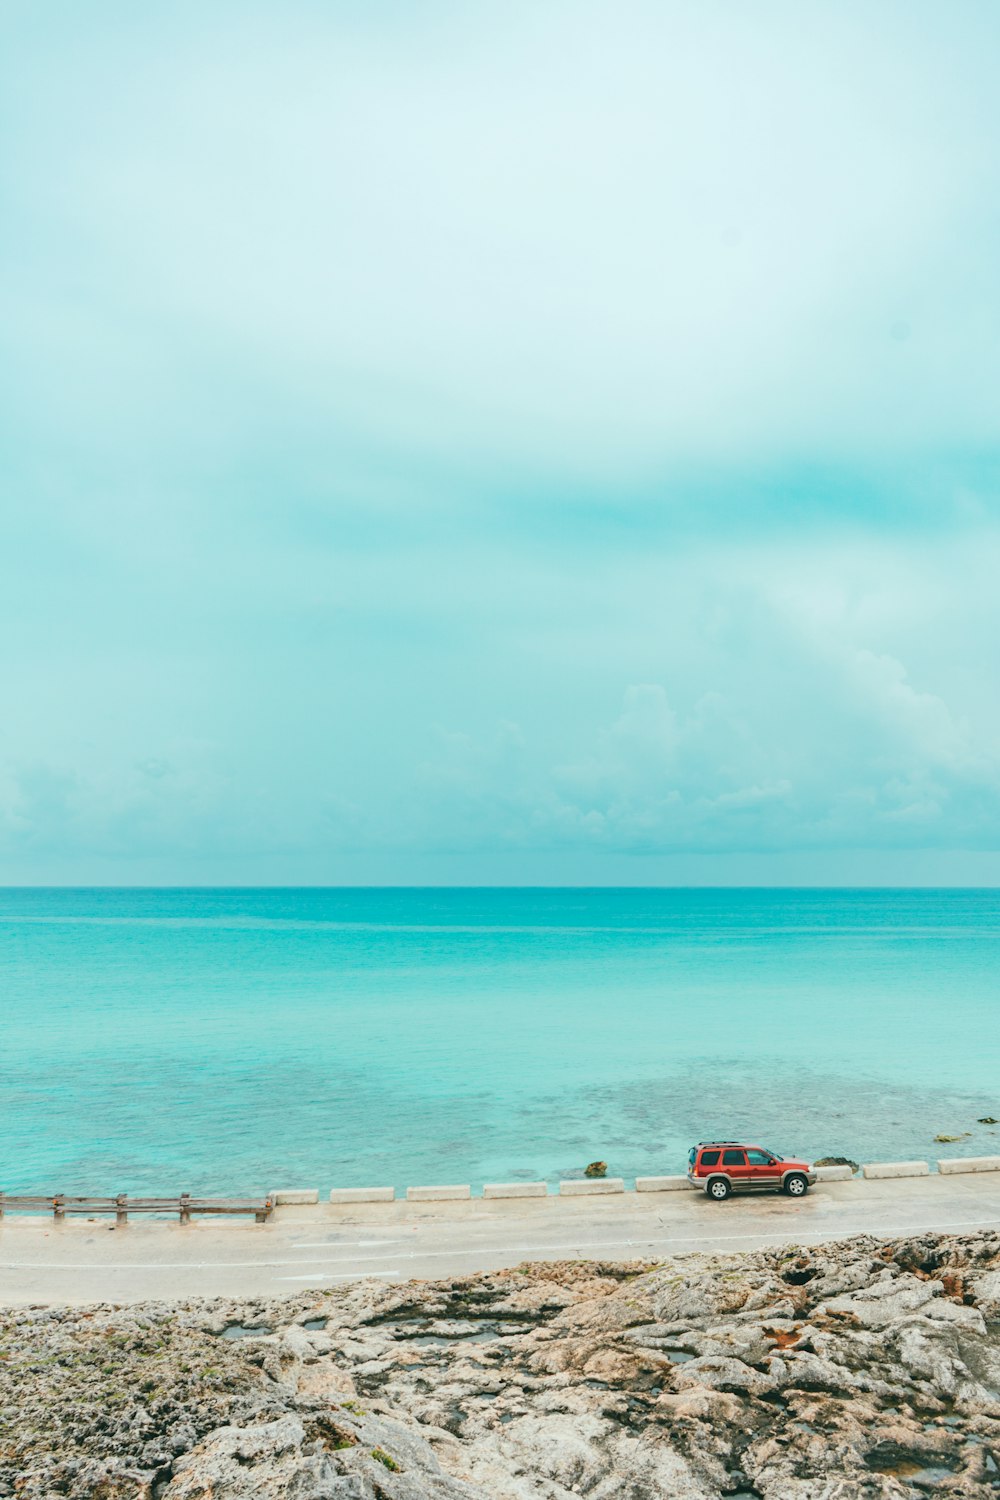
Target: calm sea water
<point x="233" y="1040"/>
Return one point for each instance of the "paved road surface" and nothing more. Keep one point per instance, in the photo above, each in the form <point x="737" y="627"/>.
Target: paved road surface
<point x="89" y="1261"/>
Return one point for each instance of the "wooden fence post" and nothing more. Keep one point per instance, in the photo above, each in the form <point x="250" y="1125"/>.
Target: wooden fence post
<point x="1" y="1205"/>
<point x="185" y="1208"/>
<point x="121" y="1209"/>
<point x="59" y="1205"/>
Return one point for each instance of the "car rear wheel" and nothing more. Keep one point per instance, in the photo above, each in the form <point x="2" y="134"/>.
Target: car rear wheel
<point x="795" y="1185"/>
<point x="718" y="1189"/>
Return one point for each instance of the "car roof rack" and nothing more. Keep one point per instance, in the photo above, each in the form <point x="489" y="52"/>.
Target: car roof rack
<point x="722" y="1143"/>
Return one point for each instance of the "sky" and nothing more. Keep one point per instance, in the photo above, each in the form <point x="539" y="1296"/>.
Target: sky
<point x="524" y="442"/>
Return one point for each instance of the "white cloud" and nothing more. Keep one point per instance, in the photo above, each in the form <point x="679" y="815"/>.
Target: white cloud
<point x="921" y="722"/>
<point x="594" y="245"/>
<point x="505" y="438"/>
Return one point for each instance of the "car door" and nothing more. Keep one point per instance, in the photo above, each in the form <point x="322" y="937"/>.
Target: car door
<point x="763" y="1170"/>
<point x="734" y="1164"/>
<point x="707" y="1164"/>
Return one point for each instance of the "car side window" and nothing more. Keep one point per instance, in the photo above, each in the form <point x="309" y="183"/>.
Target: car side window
<point x="733" y="1159"/>
<point x="759" y="1159"/>
<point x="710" y="1158"/>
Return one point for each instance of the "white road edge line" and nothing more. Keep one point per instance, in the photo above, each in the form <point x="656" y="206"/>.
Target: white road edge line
<point x="333" y="1245"/>
<point x="344" y="1276"/>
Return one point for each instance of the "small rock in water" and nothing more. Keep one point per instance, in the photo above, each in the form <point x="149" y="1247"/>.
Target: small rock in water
<point x="987" y="1120"/>
<point x="836" y="1161"/>
<point x="944" y="1138"/>
<point x="596" y="1169"/>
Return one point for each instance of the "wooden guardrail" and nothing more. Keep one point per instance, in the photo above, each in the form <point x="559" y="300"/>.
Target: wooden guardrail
<point x="122" y="1205"/>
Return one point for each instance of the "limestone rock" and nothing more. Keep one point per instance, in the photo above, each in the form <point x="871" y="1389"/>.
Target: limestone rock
<point x="836" y="1373"/>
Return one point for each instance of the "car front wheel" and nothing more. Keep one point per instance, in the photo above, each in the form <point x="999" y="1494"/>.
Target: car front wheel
<point x="718" y="1189"/>
<point x="795" y="1185"/>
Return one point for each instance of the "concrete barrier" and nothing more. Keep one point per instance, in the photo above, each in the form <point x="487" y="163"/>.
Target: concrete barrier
<point x="362" y="1195"/>
<point x="661" y="1184"/>
<point x="833" y="1174"/>
<point x="970" y="1164"/>
<point x="294" y="1195"/>
<point x="437" y="1194"/>
<point x="896" y="1169"/>
<point x="515" y="1190"/>
<point x="585" y="1185"/>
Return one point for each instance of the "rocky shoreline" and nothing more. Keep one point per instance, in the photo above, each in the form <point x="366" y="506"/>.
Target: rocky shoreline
<point x="863" y="1369"/>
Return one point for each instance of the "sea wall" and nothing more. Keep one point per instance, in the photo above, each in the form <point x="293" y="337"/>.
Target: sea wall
<point x="596" y="1186"/>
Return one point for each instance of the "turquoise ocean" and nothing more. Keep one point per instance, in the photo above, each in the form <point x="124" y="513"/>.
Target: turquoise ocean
<point x="237" y="1040"/>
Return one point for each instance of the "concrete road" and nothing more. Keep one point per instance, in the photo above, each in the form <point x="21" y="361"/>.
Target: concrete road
<point x="91" y="1260"/>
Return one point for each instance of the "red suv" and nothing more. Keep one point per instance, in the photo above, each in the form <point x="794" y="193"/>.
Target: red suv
<point x="724" y="1167"/>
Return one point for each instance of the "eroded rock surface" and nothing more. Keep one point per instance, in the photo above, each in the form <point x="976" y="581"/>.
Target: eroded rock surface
<point x="857" y="1371"/>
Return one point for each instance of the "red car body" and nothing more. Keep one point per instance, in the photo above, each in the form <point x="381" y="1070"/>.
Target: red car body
<point x="724" y="1167"/>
